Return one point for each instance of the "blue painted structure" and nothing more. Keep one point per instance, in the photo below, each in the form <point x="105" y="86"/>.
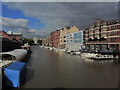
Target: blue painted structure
<point x="15" y="73"/>
<point x="78" y="36"/>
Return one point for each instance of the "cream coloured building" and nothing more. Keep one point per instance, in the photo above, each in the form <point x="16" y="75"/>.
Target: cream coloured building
<point x="63" y="32"/>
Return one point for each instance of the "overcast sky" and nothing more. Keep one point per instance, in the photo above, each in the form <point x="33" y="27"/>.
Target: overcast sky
<point x="39" y="19"/>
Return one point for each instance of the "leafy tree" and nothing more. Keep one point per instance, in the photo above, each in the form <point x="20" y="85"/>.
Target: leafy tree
<point x="39" y="41"/>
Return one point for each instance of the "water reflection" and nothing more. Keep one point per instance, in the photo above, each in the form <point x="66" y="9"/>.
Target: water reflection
<point x="52" y="69"/>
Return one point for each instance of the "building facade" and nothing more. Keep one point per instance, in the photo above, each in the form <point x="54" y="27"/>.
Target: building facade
<point x="114" y="34"/>
<point x="101" y="35"/>
<point x="63" y="32"/>
<point x="15" y="36"/>
<point x="47" y="41"/>
<point x="74" y="41"/>
<point x="8" y="43"/>
<point x="55" y="39"/>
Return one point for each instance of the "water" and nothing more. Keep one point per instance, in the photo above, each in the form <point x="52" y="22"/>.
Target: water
<point x="51" y="69"/>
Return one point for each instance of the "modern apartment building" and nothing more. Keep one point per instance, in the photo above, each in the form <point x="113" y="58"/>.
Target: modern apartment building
<point x="74" y="41"/>
<point x="69" y="41"/>
<point x="98" y="36"/>
<point x="114" y="34"/>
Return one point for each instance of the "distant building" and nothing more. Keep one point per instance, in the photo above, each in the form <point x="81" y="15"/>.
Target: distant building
<point x="55" y="39"/>
<point x="74" y="40"/>
<point x="8" y="43"/>
<point x="46" y="41"/>
<point x="63" y="32"/>
<point x="15" y="36"/>
<point x="3" y="34"/>
<point x="69" y="41"/>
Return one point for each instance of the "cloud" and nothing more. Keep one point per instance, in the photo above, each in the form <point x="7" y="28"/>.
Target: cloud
<point x="57" y="15"/>
<point x="18" y="25"/>
<point x="14" y="23"/>
<point x="31" y="31"/>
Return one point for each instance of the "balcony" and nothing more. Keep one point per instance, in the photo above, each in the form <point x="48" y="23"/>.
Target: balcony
<point x="97" y="41"/>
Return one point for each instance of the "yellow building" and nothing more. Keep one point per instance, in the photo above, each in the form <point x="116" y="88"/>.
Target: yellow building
<point x="63" y="32"/>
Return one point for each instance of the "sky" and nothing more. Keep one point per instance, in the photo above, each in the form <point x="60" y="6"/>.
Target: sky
<point x="39" y="19"/>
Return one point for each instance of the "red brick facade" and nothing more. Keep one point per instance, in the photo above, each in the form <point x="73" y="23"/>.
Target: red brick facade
<point x="103" y="35"/>
<point x="114" y="34"/>
<point x="55" y="39"/>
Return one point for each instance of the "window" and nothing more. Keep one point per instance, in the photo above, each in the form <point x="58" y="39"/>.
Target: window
<point x="64" y="40"/>
<point x="113" y="39"/>
<point x="113" y="33"/>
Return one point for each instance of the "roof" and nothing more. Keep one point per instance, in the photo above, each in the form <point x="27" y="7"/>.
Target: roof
<point x="17" y="53"/>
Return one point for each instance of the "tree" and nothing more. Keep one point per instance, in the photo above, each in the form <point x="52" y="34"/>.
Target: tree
<point x="39" y="41"/>
<point x="29" y="41"/>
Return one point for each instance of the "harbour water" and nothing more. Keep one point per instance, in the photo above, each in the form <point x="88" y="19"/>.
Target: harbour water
<point x="52" y="69"/>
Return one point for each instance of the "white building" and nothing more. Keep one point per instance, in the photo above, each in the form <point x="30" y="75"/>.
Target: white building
<point x="74" y="41"/>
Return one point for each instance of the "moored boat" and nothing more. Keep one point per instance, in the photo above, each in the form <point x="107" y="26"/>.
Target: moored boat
<point x="12" y="56"/>
<point x="102" y="57"/>
<point x="26" y="47"/>
<point x="88" y="55"/>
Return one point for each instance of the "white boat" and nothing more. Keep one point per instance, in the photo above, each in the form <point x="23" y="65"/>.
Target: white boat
<point x="50" y="48"/>
<point x="88" y="55"/>
<point x="12" y="56"/>
<point x="41" y="46"/>
<point x="44" y="46"/>
<point x="102" y="57"/>
<point x="76" y="53"/>
<point x="55" y="49"/>
<point x="68" y="51"/>
<point x="26" y="47"/>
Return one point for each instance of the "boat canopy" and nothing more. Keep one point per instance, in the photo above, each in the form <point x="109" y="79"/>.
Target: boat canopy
<point x="17" y="53"/>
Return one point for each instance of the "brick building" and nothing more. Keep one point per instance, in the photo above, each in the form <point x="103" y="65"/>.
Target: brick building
<point x="114" y="34"/>
<point x="55" y="39"/>
<point x="102" y="35"/>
